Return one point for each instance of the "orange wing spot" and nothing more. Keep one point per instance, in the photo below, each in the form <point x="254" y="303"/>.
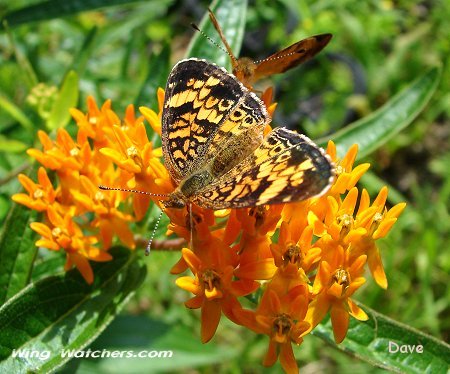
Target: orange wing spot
<point x="180" y="133"/>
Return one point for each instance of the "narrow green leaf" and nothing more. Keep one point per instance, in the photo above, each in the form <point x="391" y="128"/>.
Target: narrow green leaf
<point x="376" y="129"/>
<point x="23" y="62"/>
<point x="55" y="9"/>
<point x="67" y="98"/>
<point x="81" y="58"/>
<point x="370" y="342"/>
<point x="62" y="313"/>
<point x="142" y="15"/>
<point x="231" y="16"/>
<point x="17" y="251"/>
<point x="11" y="145"/>
<point x="157" y="76"/>
<point x="15" y="112"/>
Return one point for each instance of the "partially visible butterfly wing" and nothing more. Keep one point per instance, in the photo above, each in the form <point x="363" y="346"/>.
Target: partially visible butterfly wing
<point x="242" y="128"/>
<point x="291" y="56"/>
<point x="285" y="167"/>
<point x="198" y="99"/>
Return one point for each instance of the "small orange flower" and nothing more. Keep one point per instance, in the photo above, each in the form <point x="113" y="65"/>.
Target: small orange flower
<point x="40" y="195"/>
<point x="133" y="153"/>
<point x="109" y="219"/>
<point x="376" y="221"/>
<point x="334" y="283"/>
<point x="282" y="319"/>
<point x="63" y="233"/>
<point x="289" y="254"/>
<point x="346" y="175"/>
<point x="213" y="286"/>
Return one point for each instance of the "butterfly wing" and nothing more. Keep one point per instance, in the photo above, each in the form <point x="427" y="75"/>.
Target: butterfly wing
<point x="204" y="107"/>
<point x="285" y="167"/>
<point x="197" y="98"/>
<point x="291" y="56"/>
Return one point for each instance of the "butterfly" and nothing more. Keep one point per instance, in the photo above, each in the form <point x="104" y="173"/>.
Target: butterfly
<point x="249" y="71"/>
<point x="215" y="150"/>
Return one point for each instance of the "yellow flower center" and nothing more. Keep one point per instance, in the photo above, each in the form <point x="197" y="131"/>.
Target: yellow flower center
<point x="346" y="223"/>
<point x="293" y="255"/>
<point x="342" y="278"/>
<point x="56" y="232"/>
<point x="74" y="152"/>
<point x="132" y="152"/>
<point x="281" y="327"/>
<point x="38" y="194"/>
<point x="339" y="170"/>
<point x="211" y="280"/>
<point x="377" y="218"/>
<point x="93" y="120"/>
<point x="99" y="196"/>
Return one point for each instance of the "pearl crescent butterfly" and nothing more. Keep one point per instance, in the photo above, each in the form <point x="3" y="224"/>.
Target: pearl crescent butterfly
<point x="215" y="150"/>
<point x="249" y="71"/>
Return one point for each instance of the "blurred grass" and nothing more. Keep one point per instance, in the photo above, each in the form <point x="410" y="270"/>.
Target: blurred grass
<point x="377" y="49"/>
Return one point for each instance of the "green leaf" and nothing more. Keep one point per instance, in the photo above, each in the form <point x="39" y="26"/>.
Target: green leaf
<point x="136" y="334"/>
<point x="55" y="9"/>
<point x="25" y="66"/>
<point x="376" y="129"/>
<point x="17" y="251"/>
<point x="158" y="71"/>
<point x="11" y="145"/>
<point x="231" y="17"/>
<point x="142" y="15"/>
<point x="67" y="98"/>
<point x="81" y="58"/>
<point x="47" y="263"/>
<point x="373" y="184"/>
<point x="15" y="112"/>
<point x="369" y="341"/>
<point x="62" y="313"/>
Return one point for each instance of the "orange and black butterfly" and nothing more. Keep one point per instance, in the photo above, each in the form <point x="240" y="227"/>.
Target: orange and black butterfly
<point x="249" y="71"/>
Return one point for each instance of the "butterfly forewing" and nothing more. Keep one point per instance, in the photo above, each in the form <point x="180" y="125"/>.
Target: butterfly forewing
<point x="199" y="97"/>
<point x="291" y="56"/>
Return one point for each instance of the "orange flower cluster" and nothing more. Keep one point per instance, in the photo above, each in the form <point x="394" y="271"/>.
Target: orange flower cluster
<point x="78" y="217"/>
<point x="304" y="259"/>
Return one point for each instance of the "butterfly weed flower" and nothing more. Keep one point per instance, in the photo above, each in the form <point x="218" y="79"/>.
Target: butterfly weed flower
<point x="280" y="316"/>
<point x="40" y="195"/>
<point x="300" y="260"/>
<point x="78" y="218"/>
<point x="337" y="279"/>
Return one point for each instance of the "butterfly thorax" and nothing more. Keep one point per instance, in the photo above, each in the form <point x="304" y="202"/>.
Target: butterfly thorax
<point x="244" y="70"/>
<point x="228" y="155"/>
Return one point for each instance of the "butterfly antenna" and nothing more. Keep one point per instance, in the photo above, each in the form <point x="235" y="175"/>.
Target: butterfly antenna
<point x="216" y="25"/>
<point x="149" y="244"/>
<point x="106" y="188"/>
<point x="272" y="58"/>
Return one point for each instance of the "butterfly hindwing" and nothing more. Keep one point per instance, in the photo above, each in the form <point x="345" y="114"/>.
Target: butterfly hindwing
<point x="285" y="167"/>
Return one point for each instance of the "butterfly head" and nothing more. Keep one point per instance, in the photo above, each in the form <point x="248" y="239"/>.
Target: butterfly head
<point x="244" y="70"/>
<point x="175" y="200"/>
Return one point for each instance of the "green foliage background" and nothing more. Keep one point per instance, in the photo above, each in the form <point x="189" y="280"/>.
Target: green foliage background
<point x="123" y="50"/>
